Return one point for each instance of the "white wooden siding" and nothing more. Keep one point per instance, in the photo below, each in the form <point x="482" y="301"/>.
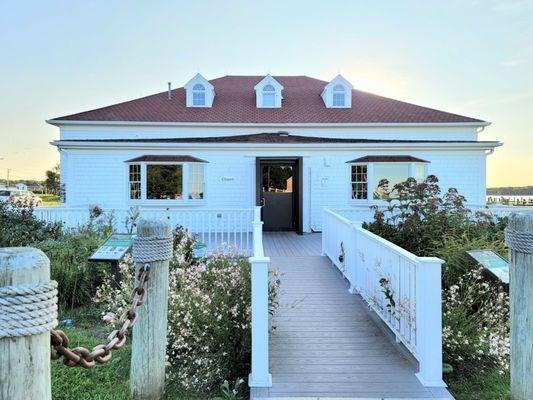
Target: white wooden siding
<point x="363" y="132"/>
<point x="99" y="176"/>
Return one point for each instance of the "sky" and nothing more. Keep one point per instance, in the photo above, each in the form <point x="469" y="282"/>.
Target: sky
<point x="471" y="57"/>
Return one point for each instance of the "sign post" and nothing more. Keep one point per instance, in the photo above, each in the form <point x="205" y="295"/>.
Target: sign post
<point x="113" y="249"/>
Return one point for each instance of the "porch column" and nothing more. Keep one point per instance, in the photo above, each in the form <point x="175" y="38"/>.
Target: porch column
<point x="428" y="309"/>
<point x="259" y="376"/>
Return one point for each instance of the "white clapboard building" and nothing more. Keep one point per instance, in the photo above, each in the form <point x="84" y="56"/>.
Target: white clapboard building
<point x="293" y="144"/>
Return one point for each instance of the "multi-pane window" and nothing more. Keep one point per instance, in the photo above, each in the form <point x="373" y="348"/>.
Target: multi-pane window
<point x="164" y="182"/>
<point x="339" y="97"/>
<point x="269" y="96"/>
<point x="368" y="180"/>
<point x="135" y="181"/>
<point x="359" y="182"/>
<point x="198" y="95"/>
<point x="196" y="181"/>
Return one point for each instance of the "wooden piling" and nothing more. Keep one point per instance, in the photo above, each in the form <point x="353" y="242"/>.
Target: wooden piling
<point x="521" y="302"/>
<point x="24" y="360"/>
<point x="147" y="376"/>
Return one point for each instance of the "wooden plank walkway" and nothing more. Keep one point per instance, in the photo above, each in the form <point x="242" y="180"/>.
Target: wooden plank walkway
<point x="326" y="344"/>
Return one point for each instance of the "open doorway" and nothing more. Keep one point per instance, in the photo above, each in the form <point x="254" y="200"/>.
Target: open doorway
<point x="279" y="192"/>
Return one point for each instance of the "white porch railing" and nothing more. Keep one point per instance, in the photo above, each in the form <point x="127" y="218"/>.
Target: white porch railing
<point x="232" y="227"/>
<point x="403" y="289"/>
<point x="259" y="376"/>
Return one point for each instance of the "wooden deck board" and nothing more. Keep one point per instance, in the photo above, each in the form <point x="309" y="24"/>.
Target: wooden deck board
<point x="325" y="343"/>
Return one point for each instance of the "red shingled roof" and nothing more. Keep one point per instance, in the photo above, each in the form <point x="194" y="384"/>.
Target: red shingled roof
<point x="235" y="103"/>
<point x="163" y="158"/>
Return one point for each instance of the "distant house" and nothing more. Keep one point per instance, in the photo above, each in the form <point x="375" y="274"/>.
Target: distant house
<point x="35" y="187"/>
<point x="21" y="186"/>
<point x="293" y="144"/>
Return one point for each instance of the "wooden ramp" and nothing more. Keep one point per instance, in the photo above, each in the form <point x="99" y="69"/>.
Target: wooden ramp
<point x="326" y="343"/>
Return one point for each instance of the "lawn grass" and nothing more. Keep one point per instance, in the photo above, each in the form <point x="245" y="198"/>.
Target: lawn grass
<point x="481" y="386"/>
<point x="50" y="199"/>
<point x="109" y="381"/>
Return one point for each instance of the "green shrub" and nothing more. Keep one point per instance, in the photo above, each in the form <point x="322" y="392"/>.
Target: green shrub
<point x="453" y="250"/>
<point x="417" y="217"/>
<point x="77" y="277"/>
<point x="209" y="315"/>
<point x="19" y="227"/>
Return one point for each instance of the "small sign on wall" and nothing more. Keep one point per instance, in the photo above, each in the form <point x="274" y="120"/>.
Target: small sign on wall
<point x="228" y="178"/>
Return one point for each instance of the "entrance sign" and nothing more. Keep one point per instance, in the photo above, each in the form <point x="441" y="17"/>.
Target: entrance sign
<point x="492" y="262"/>
<point x="114" y="248"/>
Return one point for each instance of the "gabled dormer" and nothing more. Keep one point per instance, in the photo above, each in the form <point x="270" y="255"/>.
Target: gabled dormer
<point x="199" y="92"/>
<point x="268" y="93"/>
<point x="338" y="93"/>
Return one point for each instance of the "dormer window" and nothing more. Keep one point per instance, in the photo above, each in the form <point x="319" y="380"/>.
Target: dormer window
<point x="269" y="96"/>
<point x="268" y="93"/>
<point x="199" y="92"/>
<point x="338" y="93"/>
<point x="198" y="95"/>
<point x="339" y="96"/>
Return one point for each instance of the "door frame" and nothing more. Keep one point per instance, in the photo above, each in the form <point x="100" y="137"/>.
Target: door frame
<point x="297" y="186"/>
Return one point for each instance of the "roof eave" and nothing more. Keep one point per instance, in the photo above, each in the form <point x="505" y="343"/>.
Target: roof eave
<point x="340" y="146"/>
<point x="62" y="122"/>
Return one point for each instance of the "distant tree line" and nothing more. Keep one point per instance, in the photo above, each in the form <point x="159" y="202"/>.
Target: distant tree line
<point x="511" y="191"/>
<point x="50" y="185"/>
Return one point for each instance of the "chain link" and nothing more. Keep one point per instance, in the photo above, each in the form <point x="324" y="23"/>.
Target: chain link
<point x="80" y="356"/>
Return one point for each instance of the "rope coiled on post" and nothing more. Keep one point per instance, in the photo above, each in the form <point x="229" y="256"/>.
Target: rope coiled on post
<point x="28" y="309"/>
<point x="150" y="249"/>
<point x="519" y="241"/>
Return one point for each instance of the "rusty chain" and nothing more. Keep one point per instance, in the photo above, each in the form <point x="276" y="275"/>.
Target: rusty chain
<point x="100" y="354"/>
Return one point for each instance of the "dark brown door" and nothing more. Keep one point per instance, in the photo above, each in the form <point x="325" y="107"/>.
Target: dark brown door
<point x="277" y="196"/>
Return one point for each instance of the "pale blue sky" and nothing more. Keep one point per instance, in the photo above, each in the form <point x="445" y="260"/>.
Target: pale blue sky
<point x="470" y="57"/>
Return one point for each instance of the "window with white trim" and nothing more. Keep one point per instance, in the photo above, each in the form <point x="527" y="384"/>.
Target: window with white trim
<point x="198" y="95"/>
<point x="156" y="182"/>
<point x="339" y="96"/>
<point x="135" y="181"/>
<point x="164" y="182"/>
<point x="394" y="173"/>
<point x="365" y="178"/>
<point x="269" y="96"/>
<point x="359" y="182"/>
<point x="196" y="181"/>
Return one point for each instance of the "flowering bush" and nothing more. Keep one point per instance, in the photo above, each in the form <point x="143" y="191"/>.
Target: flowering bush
<point x="209" y="325"/>
<point x="475" y="310"/>
<point x="476" y="324"/>
<point x="417" y="215"/>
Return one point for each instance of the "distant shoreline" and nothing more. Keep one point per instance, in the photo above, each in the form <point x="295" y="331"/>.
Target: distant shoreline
<point x="510" y="191"/>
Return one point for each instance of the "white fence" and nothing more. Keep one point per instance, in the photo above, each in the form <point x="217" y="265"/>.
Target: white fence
<point x="403" y="289"/>
<point x="232" y="227"/>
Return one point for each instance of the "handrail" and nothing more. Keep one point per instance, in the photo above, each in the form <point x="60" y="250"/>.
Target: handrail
<point x="403" y="289"/>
